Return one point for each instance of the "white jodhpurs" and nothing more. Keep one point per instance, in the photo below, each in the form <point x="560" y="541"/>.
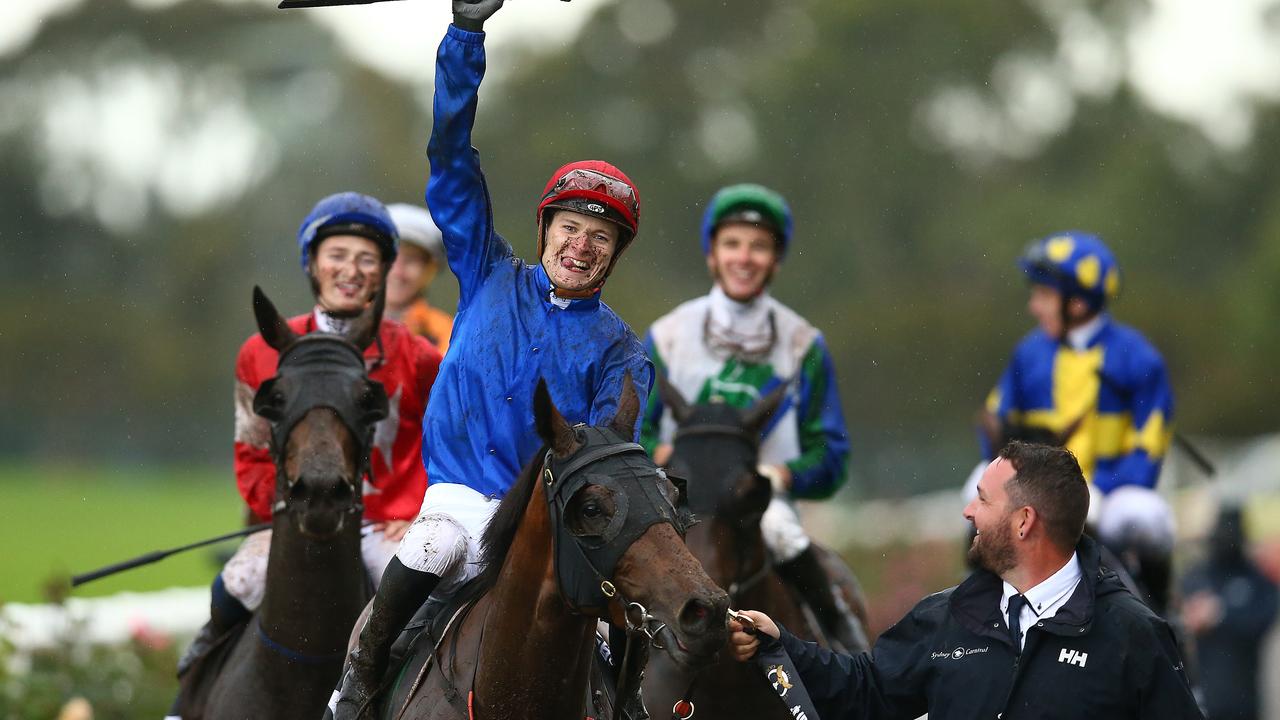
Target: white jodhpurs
<point x="783" y="534"/>
<point x="444" y="540"/>
<point x="1136" y="516"/>
<point x="245" y="574"/>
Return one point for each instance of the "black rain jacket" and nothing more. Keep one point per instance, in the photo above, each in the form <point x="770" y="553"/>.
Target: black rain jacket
<point x="1103" y="655"/>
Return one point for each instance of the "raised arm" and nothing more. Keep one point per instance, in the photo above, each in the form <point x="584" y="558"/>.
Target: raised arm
<point x="456" y="192"/>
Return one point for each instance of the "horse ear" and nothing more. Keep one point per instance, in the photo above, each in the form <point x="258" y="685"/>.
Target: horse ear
<point x="273" y="327"/>
<point x="624" y="421"/>
<point x="672" y="398"/>
<point x="760" y="413"/>
<point x="552" y="427"/>
<point x="365" y="327"/>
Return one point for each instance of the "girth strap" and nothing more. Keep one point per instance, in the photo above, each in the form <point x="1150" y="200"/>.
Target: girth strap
<point x="289" y="653"/>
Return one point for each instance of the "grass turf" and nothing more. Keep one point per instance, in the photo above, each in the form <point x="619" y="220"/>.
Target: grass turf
<point x="58" y="521"/>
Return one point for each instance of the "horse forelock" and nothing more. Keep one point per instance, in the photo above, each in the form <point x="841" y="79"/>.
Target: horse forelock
<point x="714" y="462"/>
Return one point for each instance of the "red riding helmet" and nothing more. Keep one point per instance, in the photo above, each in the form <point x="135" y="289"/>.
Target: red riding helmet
<point x="593" y="187"/>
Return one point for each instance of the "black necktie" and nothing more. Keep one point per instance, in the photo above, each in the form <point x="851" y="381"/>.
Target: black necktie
<point x="1016" y="604"/>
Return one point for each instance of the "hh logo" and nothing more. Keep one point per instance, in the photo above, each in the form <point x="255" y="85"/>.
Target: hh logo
<point x="1073" y="657"/>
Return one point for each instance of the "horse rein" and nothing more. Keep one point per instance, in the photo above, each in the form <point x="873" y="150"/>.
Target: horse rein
<point x="639" y="505"/>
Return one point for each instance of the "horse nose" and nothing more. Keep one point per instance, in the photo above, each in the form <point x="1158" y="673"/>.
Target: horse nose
<point x="702" y="614"/>
<point x="321" y="491"/>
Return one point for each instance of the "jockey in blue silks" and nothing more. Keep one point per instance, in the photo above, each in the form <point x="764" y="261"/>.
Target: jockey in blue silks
<point x="516" y="322"/>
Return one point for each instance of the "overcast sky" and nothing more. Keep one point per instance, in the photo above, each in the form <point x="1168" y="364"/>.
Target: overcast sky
<point x="1205" y="63"/>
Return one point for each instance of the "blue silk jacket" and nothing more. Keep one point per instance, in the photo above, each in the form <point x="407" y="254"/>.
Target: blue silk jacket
<point x="479" y="427"/>
<point x="1116" y="391"/>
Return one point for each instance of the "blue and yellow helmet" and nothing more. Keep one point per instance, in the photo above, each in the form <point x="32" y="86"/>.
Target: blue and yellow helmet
<point x="1076" y="264"/>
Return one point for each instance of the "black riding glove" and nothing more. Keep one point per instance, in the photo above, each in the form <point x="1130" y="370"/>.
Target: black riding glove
<point x="471" y="14"/>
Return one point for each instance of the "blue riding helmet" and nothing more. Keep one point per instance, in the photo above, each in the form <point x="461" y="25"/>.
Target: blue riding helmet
<point x="349" y="213"/>
<point x="1076" y="264"/>
<point x="749" y="203"/>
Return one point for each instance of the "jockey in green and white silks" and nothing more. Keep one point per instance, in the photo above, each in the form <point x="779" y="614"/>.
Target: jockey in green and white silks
<point x="714" y="348"/>
<point x="735" y="345"/>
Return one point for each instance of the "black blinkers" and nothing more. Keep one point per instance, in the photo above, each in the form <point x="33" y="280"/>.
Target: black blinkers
<point x="321" y="370"/>
<point x="586" y="563"/>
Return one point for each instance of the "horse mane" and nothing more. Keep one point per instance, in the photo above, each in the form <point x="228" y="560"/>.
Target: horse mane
<point x="505" y="521"/>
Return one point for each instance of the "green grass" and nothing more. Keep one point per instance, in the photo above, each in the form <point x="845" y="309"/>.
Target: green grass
<point x="58" y="521"/>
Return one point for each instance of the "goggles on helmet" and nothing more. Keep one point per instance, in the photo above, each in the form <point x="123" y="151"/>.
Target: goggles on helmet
<point x="591" y="181"/>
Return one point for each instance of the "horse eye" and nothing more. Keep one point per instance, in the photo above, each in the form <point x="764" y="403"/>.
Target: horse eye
<point x="592" y="510"/>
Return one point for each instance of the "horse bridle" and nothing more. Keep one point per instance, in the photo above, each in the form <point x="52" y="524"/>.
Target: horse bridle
<point x="683" y="708"/>
<point x="738" y="585"/>
<point x="585" y="564"/>
<point x="330" y="364"/>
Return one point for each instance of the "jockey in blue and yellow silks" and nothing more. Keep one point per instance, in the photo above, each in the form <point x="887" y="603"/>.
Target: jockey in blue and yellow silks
<point x="1097" y="386"/>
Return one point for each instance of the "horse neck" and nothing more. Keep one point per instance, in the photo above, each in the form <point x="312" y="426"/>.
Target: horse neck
<point x="315" y="589"/>
<point x="536" y="654"/>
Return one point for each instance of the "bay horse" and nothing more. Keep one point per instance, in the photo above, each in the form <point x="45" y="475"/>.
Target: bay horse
<point x="322" y="407"/>
<point x="715" y="448"/>
<point x="591" y="530"/>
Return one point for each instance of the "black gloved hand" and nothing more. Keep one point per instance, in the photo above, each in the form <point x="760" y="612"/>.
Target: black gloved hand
<point x="471" y="14"/>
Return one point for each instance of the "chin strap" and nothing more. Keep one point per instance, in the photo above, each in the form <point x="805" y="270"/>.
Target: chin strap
<point x="561" y="297"/>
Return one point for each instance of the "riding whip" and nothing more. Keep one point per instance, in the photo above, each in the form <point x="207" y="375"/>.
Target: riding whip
<point x="1193" y="452"/>
<point x="156" y="555"/>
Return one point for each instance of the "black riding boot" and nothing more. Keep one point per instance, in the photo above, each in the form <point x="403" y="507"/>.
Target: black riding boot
<point x="401" y="593"/>
<point x="805" y="573"/>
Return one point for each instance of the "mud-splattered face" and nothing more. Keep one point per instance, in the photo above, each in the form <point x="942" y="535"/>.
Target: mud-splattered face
<point x="578" y="250"/>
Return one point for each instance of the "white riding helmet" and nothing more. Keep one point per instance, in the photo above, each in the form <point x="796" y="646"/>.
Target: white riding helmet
<point x="417" y="228"/>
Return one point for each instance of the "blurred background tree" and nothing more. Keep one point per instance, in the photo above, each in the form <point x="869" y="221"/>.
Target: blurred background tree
<point x="158" y="156"/>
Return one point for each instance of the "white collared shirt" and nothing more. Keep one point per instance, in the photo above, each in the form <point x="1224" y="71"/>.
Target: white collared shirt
<point x="1079" y="338"/>
<point x="1043" y="600"/>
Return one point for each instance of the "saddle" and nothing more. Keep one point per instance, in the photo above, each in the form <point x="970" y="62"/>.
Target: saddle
<point x="431" y="624"/>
